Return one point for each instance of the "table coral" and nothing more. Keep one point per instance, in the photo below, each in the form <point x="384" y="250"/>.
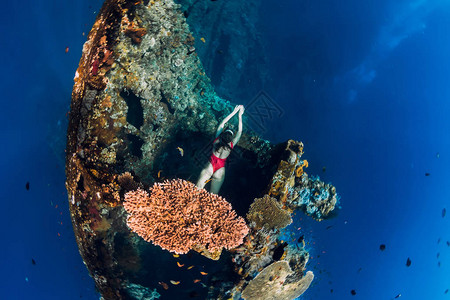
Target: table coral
<point x="178" y="216"/>
<point x="266" y="211"/>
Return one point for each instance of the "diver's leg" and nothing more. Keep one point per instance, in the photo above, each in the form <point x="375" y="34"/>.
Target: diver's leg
<point x="217" y="180"/>
<point x="205" y="175"/>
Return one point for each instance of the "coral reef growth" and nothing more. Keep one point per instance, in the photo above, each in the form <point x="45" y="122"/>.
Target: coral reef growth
<point x="266" y="211"/>
<point x="133" y="31"/>
<point x="284" y="177"/>
<point x="256" y="253"/>
<point x="127" y="182"/>
<point x="136" y="291"/>
<point x="297" y="257"/>
<point x="178" y="216"/>
<point x="316" y="198"/>
<point x="271" y="284"/>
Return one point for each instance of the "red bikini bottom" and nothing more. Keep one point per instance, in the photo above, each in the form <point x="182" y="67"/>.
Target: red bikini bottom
<point x="217" y="163"/>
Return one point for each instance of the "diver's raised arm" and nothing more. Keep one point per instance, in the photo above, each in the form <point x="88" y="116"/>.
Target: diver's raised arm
<point x="239" y="133"/>
<point x="222" y="124"/>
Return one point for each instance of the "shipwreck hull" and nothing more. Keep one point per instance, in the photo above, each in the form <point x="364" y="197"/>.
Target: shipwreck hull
<point x="143" y="111"/>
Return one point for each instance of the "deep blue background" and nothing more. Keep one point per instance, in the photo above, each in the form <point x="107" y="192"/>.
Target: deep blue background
<point x="365" y="86"/>
<point x="36" y="84"/>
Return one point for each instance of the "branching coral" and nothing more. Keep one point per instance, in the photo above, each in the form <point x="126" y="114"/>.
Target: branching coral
<point x="178" y="216"/>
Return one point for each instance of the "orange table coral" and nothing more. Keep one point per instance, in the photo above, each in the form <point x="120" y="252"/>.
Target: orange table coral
<point x="178" y="216"/>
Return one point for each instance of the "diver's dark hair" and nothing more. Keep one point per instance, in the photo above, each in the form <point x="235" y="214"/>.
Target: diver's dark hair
<point x="225" y="137"/>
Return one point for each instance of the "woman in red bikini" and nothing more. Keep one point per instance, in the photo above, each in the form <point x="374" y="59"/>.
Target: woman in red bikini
<point x="222" y="146"/>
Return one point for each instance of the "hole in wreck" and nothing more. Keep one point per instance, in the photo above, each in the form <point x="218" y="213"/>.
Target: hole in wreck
<point x="135" y="145"/>
<point x="135" y="114"/>
<point x="80" y="184"/>
<point x="279" y="251"/>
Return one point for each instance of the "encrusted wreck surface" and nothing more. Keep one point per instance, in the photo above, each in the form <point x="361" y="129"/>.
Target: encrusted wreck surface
<point x="142" y="112"/>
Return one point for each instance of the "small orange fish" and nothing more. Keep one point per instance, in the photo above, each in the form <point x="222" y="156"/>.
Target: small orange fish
<point x="56" y="206"/>
<point x="197" y="280"/>
<point x="164" y="285"/>
<point x="59" y="234"/>
<point x="203" y="40"/>
<point x="159" y="173"/>
<point x="174" y="282"/>
<point x="203" y="273"/>
<point x="190" y="267"/>
<point x="180" y="265"/>
<point x="181" y="151"/>
<point x="176" y="255"/>
<point x="67" y="49"/>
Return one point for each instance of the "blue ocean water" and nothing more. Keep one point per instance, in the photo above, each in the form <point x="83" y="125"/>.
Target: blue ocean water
<point x="36" y="83"/>
<point x="363" y="84"/>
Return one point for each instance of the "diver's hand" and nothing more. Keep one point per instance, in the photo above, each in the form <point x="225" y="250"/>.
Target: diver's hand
<point x="241" y="111"/>
<point x="236" y="108"/>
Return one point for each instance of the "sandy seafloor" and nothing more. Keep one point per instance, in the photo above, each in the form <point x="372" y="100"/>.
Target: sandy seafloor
<point x="365" y="86"/>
